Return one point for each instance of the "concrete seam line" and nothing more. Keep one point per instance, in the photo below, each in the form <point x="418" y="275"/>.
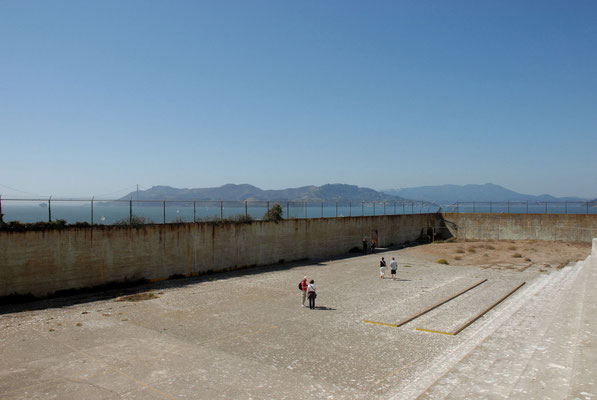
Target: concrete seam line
<point x="439" y="304"/>
<point x="457" y="331"/>
<point x="141" y="383"/>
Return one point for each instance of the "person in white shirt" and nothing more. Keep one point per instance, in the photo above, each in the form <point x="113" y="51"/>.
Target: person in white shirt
<point x="393" y="267"/>
<point x="311" y="294"/>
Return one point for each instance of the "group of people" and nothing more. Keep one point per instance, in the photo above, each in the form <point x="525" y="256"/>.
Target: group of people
<point x="365" y="245"/>
<point x="382" y="268"/>
<point x="308" y="291"/>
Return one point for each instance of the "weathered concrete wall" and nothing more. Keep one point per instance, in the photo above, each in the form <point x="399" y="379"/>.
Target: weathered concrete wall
<point x="569" y="228"/>
<point x="44" y="262"/>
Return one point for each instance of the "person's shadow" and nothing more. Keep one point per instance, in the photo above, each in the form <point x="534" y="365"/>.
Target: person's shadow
<point x="324" y="308"/>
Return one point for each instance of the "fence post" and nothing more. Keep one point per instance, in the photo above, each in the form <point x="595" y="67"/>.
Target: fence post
<point x="50" y="209"/>
<point x="91" y="210"/>
<point x="322" y="209"/>
<point x="194" y="210"/>
<point x="222" y="209"/>
<point x="508" y="206"/>
<point x="1" y="216"/>
<point x="350" y="208"/>
<point x="336" y="209"/>
<point x="287" y="209"/>
<point x="164" y="211"/>
<point x="246" y="209"/>
<point x="362" y="208"/>
<point x="131" y="210"/>
<point x="305" y="209"/>
<point x="374" y="208"/>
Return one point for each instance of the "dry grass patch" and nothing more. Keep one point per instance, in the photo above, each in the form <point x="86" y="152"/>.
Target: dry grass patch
<point x="460" y="250"/>
<point x="512" y="248"/>
<point x="471" y="250"/>
<point x="457" y="257"/>
<point x="517" y="255"/>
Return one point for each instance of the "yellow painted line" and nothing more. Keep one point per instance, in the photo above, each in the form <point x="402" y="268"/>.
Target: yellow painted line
<point x="429" y="330"/>
<point x="380" y="323"/>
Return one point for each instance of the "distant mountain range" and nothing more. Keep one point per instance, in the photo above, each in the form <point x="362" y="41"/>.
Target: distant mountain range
<point x="443" y="194"/>
<point x="448" y="194"/>
<point x="231" y="192"/>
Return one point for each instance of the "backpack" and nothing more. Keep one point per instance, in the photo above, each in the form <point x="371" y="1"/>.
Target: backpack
<point x="301" y="285"/>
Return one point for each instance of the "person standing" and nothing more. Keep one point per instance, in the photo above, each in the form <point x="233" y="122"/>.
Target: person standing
<point x="373" y="244"/>
<point x="304" y="291"/>
<point x="393" y="267"/>
<point x="311" y="294"/>
<point x="364" y="245"/>
<point x="382" y="268"/>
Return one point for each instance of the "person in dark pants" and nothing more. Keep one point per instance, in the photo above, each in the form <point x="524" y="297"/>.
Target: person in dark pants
<point x="364" y="245"/>
<point x="311" y="294"/>
<point x="373" y="244"/>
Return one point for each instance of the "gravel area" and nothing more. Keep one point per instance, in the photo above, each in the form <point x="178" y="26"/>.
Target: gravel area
<point x="244" y="334"/>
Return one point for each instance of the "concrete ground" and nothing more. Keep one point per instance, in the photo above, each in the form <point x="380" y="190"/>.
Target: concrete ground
<point x="244" y="335"/>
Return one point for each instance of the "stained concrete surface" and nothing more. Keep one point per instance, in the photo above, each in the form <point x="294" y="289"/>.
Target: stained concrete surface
<point x="245" y="336"/>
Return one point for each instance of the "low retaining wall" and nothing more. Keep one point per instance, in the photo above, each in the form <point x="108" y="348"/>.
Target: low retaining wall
<point x="564" y="227"/>
<point x="44" y="262"/>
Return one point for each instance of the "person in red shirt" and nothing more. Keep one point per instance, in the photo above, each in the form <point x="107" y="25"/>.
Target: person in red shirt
<point x="304" y="290"/>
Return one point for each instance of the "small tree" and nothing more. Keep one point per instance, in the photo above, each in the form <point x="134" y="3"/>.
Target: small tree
<point x="274" y="213"/>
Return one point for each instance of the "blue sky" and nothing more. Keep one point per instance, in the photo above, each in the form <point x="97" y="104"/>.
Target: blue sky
<point x="97" y="96"/>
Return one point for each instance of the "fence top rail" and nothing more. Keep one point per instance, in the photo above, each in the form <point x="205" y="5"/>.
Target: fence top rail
<point x="308" y="202"/>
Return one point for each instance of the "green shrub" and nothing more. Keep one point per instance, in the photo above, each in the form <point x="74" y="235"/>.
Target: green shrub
<point x="135" y="222"/>
<point x="441" y="261"/>
<point x="241" y="219"/>
<point x="274" y="213"/>
<point x="16" y="226"/>
<point x="517" y="255"/>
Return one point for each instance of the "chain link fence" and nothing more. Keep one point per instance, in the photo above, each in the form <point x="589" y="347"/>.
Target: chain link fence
<point x="96" y="211"/>
<point x="106" y="212"/>
<point x="524" y="207"/>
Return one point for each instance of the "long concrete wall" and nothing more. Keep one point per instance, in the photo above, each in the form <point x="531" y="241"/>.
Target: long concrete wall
<point x="564" y="227"/>
<point x="44" y="262"/>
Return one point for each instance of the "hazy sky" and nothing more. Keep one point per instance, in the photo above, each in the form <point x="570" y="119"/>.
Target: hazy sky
<point x="97" y="96"/>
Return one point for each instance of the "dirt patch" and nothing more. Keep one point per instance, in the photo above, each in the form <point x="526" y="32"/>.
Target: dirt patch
<point x="138" y="297"/>
<point x="499" y="254"/>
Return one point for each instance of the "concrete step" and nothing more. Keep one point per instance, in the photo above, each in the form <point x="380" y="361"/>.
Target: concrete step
<point x="533" y="341"/>
<point x="584" y="375"/>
